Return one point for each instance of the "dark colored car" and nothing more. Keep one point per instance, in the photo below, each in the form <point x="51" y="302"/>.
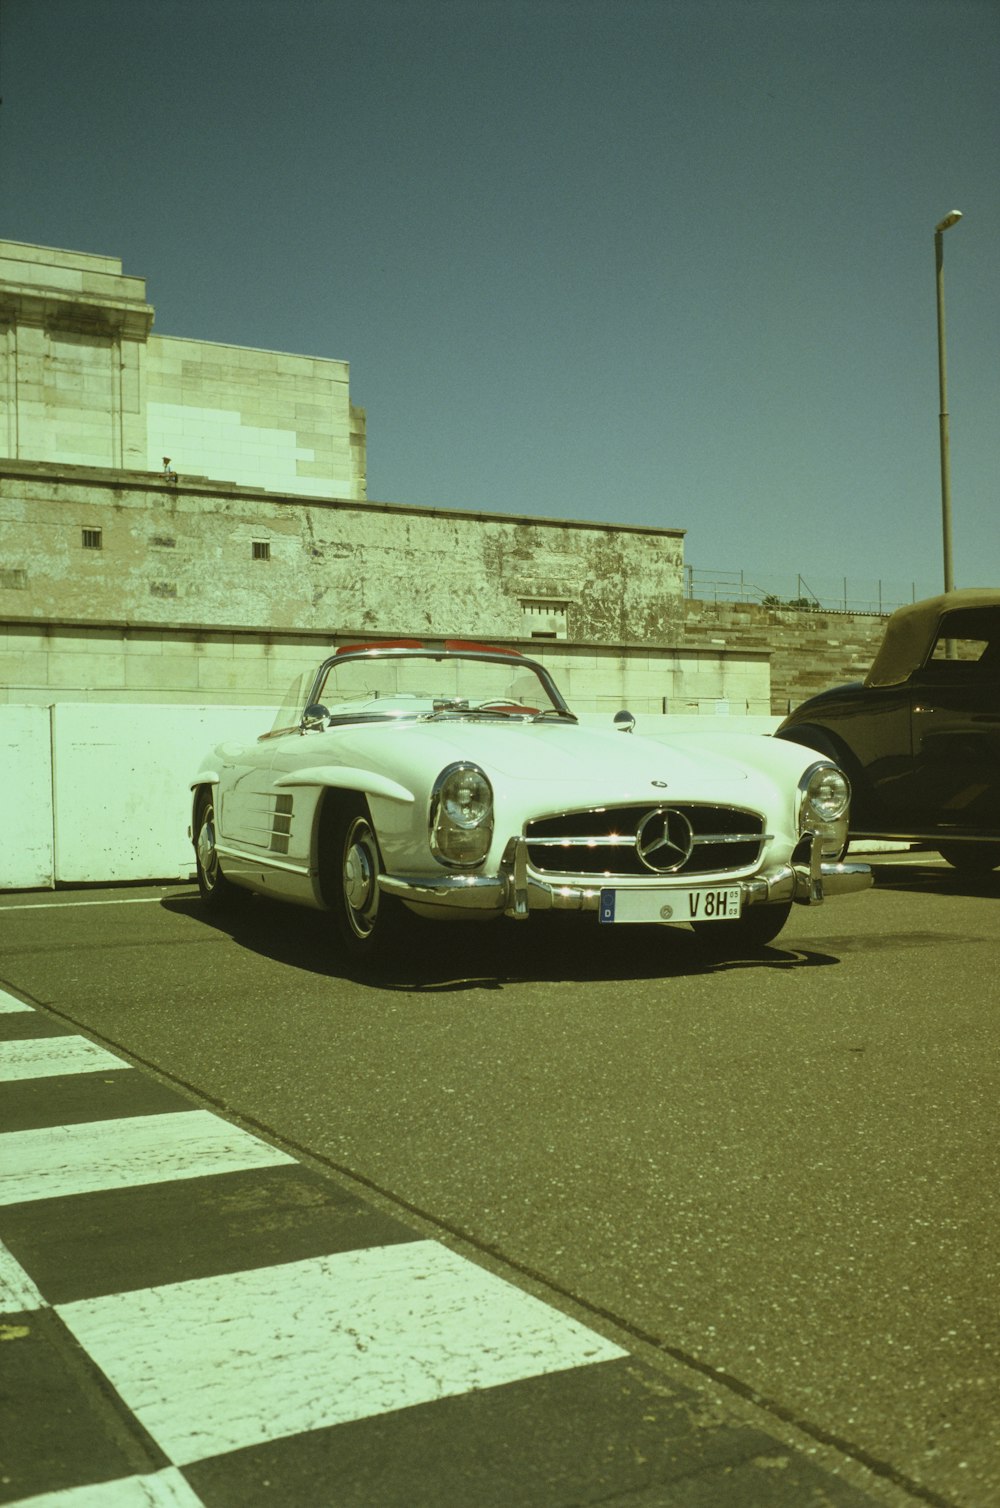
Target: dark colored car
<point x="919" y="737"/>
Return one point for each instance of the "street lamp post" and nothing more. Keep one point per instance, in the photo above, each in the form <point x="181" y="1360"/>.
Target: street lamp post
<point x="939" y="230"/>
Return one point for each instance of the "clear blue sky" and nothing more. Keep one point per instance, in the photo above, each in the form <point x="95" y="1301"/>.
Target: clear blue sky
<point x="656" y="262"/>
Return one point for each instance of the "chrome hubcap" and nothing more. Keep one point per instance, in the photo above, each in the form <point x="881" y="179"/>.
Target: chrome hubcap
<point x="207" y="856"/>
<point x="360" y="883"/>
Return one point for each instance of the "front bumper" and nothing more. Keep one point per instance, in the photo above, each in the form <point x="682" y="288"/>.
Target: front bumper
<point x="517" y="892"/>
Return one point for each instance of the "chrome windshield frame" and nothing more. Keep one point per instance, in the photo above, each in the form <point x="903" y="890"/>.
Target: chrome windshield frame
<point x="515" y="661"/>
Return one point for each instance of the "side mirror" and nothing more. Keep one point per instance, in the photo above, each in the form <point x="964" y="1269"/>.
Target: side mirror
<point x="314" y="716"/>
<point x="624" y="721"/>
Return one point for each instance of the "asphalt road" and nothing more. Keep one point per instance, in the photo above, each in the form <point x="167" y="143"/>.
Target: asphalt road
<point x="778" y="1174"/>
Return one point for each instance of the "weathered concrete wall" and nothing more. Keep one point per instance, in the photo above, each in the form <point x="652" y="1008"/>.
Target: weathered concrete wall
<point x="120" y="588"/>
<point x="102" y="547"/>
<point x="809" y="651"/>
<point x="655" y="681"/>
<point x="174" y="605"/>
<point x="120" y="786"/>
<point x="60" y="663"/>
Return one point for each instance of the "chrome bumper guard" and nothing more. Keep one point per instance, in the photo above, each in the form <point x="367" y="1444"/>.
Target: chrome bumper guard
<point x="514" y="892"/>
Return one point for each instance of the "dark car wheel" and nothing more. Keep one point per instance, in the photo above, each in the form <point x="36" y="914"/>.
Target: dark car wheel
<point x="366" y="921"/>
<point x="216" y="891"/>
<point x="971" y="858"/>
<point x="758" y="926"/>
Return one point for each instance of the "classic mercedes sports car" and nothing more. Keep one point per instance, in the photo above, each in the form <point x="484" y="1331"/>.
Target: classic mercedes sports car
<point x="919" y="737"/>
<point x="454" y="781"/>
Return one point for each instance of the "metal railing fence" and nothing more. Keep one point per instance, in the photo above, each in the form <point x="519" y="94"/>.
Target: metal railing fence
<point x="810" y="593"/>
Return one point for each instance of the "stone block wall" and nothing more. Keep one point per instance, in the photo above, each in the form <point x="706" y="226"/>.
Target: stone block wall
<point x="810" y="651"/>
<point x="72" y="342"/>
<point x="101" y="547"/>
<point x="84" y="382"/>
<point x="54" y="664"/>
<point x="122" y="586"/>
<point x="116" y="586"/>
<point x="260" y="418"/>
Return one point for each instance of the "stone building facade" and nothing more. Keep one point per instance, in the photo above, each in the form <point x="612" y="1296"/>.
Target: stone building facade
<point x="223" y="577"/>
<point x="84" y="381"/>
<point x="126" y="586"/>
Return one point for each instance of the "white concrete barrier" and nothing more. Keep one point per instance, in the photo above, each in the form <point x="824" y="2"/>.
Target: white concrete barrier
<point x="97" y="792"/>
<point x="120" y="784"/>
<point x="27" y="850"/>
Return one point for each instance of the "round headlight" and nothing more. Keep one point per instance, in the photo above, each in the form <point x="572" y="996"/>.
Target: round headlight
<point x="461" y="816"/>
<point x="466" y="797"/>
<point x="827" y="793"/>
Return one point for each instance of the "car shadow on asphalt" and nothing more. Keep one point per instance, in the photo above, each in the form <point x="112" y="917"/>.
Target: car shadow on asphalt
<point x="933" y="876"/>
<point x="443" y="957"/>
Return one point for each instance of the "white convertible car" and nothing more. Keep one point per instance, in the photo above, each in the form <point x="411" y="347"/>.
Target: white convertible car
<point x="453" y="780"/>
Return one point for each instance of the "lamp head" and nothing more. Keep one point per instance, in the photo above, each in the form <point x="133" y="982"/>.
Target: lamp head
<point x="949" y="221"/>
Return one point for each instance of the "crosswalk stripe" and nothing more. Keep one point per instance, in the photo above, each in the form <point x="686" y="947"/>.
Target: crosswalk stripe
<point x="61" y="1160"/>
<point x="161" y="1489"/>
<point x="17" y="1291"/>
<point x="11" y="1003"/>
<point x="210" y="1322"/>
<point x="48" y="1057"/>
<point x="231" y="1361"/>
<point x="223" y="1363"/>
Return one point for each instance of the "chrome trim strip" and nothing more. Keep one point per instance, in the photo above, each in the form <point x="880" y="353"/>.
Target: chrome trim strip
<point x="471" y="892"/>
<point x="627" y="840"/>
<point x="616" y="840"/>
<point x="259" y="859"/>
<point x="514" y="868"/>
<point x="515" y="892"/>
<point x="639" y="804"/>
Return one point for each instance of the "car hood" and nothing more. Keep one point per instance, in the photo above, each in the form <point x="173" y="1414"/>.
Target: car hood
<point x="540" y="754"/>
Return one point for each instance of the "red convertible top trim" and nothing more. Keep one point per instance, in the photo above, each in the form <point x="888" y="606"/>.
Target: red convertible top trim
<point x="352" y="649"/>
<point x="470" y="644"/>
<point x="493" y="649"/>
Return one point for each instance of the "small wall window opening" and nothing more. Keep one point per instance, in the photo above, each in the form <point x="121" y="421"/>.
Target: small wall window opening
<point x="261" y="549"/>
<point x="92" y="539"/>
<point x="544" y="618"/>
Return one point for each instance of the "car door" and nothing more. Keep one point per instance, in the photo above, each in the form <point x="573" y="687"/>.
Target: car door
<point x="245" y="802"/>
<point x="956" y="747"/>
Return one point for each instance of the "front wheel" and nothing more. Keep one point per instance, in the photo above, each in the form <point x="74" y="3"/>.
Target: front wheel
<point x="365" y="920"/>
<point x="971" y="858"/>
<point x="758" y="926"/>
<point x="216" y="891"/>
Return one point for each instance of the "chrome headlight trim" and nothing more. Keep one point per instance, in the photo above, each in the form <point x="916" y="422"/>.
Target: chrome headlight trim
<point x="824" y="804"/>
<point x="460" y="818"/>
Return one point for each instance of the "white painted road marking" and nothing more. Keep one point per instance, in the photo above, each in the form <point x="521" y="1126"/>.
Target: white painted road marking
<point x="283" y="1350"/>
<point x="132" y="900"/>
<point x="11" y="1003"/>
<point x="119" y="1154"/>
<point x="163" y="1489"/>
<point x="17" y="1291"/>
<point x="47" y="1057"/>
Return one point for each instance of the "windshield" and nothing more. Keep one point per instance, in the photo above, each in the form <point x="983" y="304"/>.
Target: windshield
<point x="382" y="684"/>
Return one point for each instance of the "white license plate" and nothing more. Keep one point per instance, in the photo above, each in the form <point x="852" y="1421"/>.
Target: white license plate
<point x="718" y="903"/>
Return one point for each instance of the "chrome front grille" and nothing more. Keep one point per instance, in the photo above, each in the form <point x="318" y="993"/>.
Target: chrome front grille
<point x="606" y="841"/>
